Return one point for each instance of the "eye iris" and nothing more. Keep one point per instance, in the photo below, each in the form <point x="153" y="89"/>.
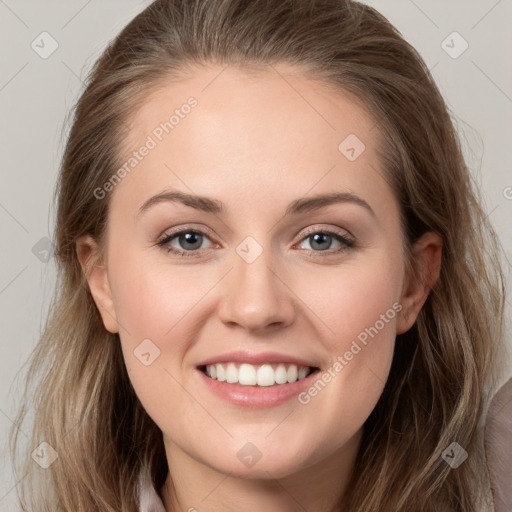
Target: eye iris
<point x="191" y="238"/>
<point x="320" y="238"/>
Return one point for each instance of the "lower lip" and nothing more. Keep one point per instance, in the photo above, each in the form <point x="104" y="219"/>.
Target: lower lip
<point x="257" y="396"/>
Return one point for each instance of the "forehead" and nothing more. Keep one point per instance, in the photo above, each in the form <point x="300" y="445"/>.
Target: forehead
<point x="224" y="129"/>
<point x="265" y="101"/>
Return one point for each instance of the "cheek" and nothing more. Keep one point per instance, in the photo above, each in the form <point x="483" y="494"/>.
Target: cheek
<point x="151" y="304"/>
<point x="159" y="308"/>
<point x="154" y="301"/>
<point x="360" y="307"/>
<point x="156" y="309"/>
<point x="351" y="298"/>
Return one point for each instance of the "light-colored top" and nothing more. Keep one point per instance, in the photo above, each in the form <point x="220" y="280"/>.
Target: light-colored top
<point x="149" y="499"/>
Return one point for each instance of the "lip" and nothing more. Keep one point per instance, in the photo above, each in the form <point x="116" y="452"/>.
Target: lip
<point x="244" y="356"/>
<point x="255" y="397"/>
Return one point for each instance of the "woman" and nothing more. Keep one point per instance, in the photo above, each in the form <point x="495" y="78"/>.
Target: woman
<point x="223" y="375"/>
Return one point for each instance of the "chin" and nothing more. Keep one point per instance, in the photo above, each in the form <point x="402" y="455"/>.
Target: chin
<point x="251" y="463"/>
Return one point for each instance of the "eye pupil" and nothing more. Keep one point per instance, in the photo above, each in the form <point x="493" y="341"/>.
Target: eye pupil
<point x="320" y="238"/>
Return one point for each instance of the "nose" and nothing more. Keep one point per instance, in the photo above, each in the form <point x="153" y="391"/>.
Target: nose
<point x="257" y="297"/>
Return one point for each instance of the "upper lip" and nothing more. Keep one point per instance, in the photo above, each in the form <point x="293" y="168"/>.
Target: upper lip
<point x="254" y="358"/>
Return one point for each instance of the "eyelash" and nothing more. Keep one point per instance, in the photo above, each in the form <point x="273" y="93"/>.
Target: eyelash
<point x="163" y="242"/>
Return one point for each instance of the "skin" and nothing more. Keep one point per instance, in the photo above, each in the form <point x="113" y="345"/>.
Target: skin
<point x="256" y="143"/>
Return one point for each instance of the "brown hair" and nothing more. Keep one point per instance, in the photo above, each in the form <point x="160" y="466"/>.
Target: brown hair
<point x="444" y="367"/>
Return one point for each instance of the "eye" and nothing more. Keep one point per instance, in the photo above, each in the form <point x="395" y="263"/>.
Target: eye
<point x="189" y="242"/>
<point x="320" y="241"/>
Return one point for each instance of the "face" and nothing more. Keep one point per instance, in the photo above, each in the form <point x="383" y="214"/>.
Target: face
<point x="260" y="271"/>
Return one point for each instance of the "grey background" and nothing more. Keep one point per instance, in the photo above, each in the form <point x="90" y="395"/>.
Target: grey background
<point x="36" y="94"/>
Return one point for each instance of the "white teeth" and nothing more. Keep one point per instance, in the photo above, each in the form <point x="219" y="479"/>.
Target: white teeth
<point x="262" y="375"/>
<point x="247" y="375"/>
<point x="220" y="371"/>
<point x="231" y="373"/>
<point x="281" y="374"/>
<point x="266" y="375"/>
<point x="292" y="373"/>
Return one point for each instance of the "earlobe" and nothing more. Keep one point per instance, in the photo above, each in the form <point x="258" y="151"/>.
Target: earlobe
<point x="425" y="269"/>
<point x="87" y="251"/>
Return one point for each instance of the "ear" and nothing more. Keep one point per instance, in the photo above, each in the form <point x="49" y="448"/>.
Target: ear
<point x="88" y="254"/>
<point x="423" y="273"/>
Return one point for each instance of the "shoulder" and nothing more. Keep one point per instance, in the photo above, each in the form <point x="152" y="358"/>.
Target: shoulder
<point x="498" y="445"/>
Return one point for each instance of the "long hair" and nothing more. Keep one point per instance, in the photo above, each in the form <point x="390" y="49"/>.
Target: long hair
<point x="444" y="368"/>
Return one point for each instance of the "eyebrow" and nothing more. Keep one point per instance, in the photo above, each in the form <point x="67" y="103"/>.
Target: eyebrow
<point x="296" y="207"/>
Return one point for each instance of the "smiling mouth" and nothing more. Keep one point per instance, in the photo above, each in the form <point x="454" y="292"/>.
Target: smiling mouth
<point x="263" y="375"/>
